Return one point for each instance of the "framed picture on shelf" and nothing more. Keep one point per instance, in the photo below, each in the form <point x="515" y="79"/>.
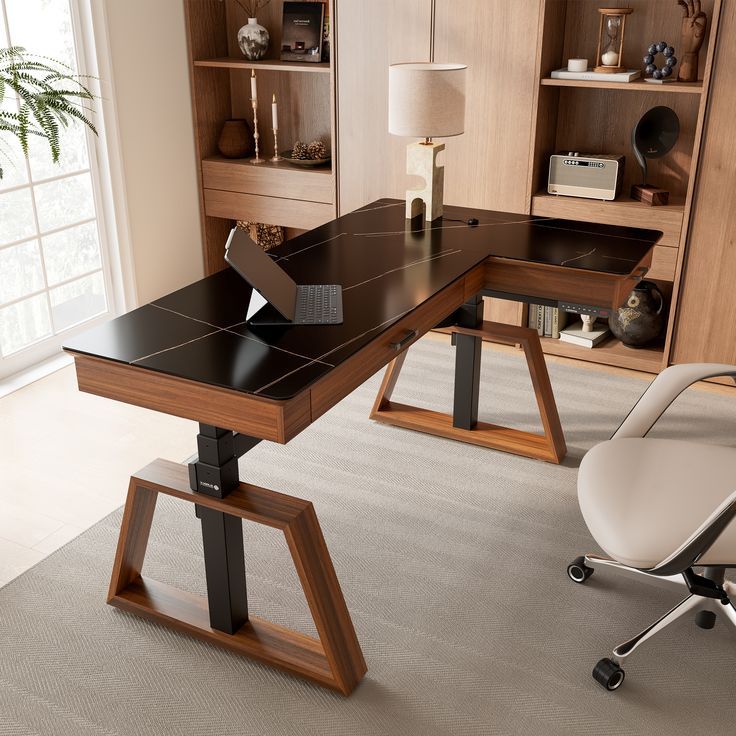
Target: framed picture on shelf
<point x="302" y="30"/>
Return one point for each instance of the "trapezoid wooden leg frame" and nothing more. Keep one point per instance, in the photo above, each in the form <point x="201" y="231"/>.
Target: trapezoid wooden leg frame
<point x="463" y="425"/>
<point x="335" y="660"/>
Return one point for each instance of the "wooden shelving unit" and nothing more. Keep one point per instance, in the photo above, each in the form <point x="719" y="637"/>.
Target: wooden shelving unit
<point x="275" y="194"/>
<point x="596" y="117"/>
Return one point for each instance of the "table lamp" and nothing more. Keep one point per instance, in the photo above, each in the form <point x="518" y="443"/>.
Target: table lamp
<point x="426" y="100"/>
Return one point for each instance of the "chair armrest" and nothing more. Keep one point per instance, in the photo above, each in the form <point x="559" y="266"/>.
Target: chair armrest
<point x="699" y="542"/>
<point x="663" y="390"/>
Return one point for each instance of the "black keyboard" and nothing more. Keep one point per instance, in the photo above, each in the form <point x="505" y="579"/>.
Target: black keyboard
<point x="318" y="304"/>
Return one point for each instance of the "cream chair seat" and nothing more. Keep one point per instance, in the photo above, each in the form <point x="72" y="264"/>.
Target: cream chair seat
<point x="642" y="498"/>
<point x="662" y="508"/>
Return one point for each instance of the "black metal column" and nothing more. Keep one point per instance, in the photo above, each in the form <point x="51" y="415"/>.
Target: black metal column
<point x="467" y="365"/>
<point x="215" y="473"/>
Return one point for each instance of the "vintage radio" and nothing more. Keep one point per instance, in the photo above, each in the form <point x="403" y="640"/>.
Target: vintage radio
<point x="595" y="176"/>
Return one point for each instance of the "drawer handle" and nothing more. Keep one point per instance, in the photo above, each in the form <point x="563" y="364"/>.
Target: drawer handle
<point x="401" y="344"/>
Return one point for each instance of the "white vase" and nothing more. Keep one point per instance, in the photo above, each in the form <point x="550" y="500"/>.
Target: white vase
<point x="253" y="40"/>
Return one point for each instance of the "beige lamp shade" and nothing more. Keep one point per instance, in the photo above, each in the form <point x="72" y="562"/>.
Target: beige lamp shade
<point x="426" y="100"/>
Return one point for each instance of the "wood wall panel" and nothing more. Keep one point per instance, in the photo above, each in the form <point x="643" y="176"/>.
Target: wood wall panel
<point x="706" y="317"/>
<point x="371" y="36"/>
<point x="487" y="166"/>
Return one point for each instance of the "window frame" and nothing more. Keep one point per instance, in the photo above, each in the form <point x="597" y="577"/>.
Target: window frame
<point x="91" y="41"/>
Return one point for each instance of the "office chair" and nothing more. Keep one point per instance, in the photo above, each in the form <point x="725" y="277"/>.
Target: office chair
<point x="660" y="508"/>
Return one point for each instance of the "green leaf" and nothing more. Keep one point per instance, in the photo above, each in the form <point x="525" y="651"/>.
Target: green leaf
<point x="50" y="96"/>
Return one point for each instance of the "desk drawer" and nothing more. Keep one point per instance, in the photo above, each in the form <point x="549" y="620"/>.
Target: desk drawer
<point x="349" y="375"/>
<point x="271" y="210"/>
<point x="284" y="181"/>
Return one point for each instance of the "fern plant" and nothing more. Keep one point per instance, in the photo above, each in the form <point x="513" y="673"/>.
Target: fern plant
<point x="50" y="97"/>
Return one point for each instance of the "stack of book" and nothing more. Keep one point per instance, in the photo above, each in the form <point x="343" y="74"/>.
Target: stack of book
<point x="575" y="335"/>
<point x="552" y="322"/>
<point x="547" y="321"/>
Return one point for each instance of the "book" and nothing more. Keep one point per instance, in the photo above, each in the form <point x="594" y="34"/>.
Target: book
<point x="590" y="76"/>
<point x="540" y="320"/>
<point x="532" y="319"/>
<point x="559" y="321"/>
<point x="575" y="335"/>
<point x="548" y="322"/>
<point x="301" y="31"/>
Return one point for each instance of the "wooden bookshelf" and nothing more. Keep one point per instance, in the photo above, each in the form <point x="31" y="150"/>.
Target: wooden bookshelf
<point x="638" y="85"/>
<point x="230" y="190"/>
<point x="596" y="117"/>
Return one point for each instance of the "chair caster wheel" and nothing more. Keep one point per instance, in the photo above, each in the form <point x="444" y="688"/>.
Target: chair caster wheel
<point x="608" y="674"/>
<point x="578" y="571"/>
<point x="705" y="619"/>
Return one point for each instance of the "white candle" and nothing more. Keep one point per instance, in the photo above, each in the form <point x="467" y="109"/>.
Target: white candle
<point x="610" y="58"/>
<point x="253" y="91"/>
<point x="275" y="113"/>
<point x="577" y="65"/>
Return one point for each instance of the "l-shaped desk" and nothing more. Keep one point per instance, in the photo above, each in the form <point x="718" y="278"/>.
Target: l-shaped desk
<point x="191" y="354"/>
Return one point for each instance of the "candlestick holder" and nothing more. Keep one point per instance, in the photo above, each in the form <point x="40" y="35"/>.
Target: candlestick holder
<point x="276" y="158"/>
<point x="256" y="136"/>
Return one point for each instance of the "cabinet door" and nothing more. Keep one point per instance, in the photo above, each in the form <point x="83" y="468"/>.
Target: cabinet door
<point x="706" y="310"/>
<point x="371" y="36"/>
<point x="488" y="166"/>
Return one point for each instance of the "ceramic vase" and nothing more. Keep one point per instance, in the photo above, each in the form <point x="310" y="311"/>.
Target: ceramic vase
<point x="235" y="139"/>
<point x="253" y="40"/>
<point x="641" y="319"/>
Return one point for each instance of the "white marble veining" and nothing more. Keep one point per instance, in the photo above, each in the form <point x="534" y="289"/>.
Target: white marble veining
<point x="230" y="329"/>
<point x="404" y="267"/>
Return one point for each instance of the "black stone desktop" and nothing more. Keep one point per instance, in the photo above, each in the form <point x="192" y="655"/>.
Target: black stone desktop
<point x="386" y="265"/>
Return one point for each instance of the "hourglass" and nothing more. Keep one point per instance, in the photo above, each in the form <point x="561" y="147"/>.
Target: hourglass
<point x="611" y="39"/>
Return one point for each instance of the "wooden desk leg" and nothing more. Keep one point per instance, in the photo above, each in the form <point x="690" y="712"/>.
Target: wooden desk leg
<point x="463" y="426"/>
<point x="334" y="660"/>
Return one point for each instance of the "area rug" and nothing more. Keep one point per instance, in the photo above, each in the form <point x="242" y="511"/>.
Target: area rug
<point x="452" y="560"/>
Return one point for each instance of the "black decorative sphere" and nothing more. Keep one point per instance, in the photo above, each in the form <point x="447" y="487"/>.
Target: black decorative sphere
<point x="649" y="59"/>
<point x="650" y="69"/>
<point x="652" y="49"/>
<point x="657" y="74"/>
<point x="669" y="51"/>
<point x="666" y="71"/>
<point x="671" y="61"/>
<point x="661" y="46"/>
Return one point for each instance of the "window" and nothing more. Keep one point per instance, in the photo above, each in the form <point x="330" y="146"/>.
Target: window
<point x="54" y="265"/>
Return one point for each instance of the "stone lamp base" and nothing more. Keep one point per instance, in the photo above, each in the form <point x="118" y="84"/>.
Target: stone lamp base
<point x="421" y="160"/>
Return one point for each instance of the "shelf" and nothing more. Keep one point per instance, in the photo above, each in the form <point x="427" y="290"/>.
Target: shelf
<point x="621" y="211"/>
<point x="610" y="352"/>
<point x="268" y="164"/>
<point x="638" y="85"/>
<point x="228" y="62"/>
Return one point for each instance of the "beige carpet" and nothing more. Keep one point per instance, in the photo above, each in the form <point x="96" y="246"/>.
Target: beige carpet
<point x="452" y="559"/>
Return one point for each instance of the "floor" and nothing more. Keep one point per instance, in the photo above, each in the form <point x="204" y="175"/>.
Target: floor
<point x="65" y="461"/>
<point x="62" y="471"/>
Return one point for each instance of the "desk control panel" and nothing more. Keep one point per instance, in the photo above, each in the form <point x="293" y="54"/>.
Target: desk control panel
<point x="585" y="309"/>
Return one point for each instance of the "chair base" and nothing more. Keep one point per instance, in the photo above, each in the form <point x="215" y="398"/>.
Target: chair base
<point x="608" y="671"/>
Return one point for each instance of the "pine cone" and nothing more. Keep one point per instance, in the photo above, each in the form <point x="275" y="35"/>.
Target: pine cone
<point x="317" y="150"/>
<point x="300" y="151"/>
